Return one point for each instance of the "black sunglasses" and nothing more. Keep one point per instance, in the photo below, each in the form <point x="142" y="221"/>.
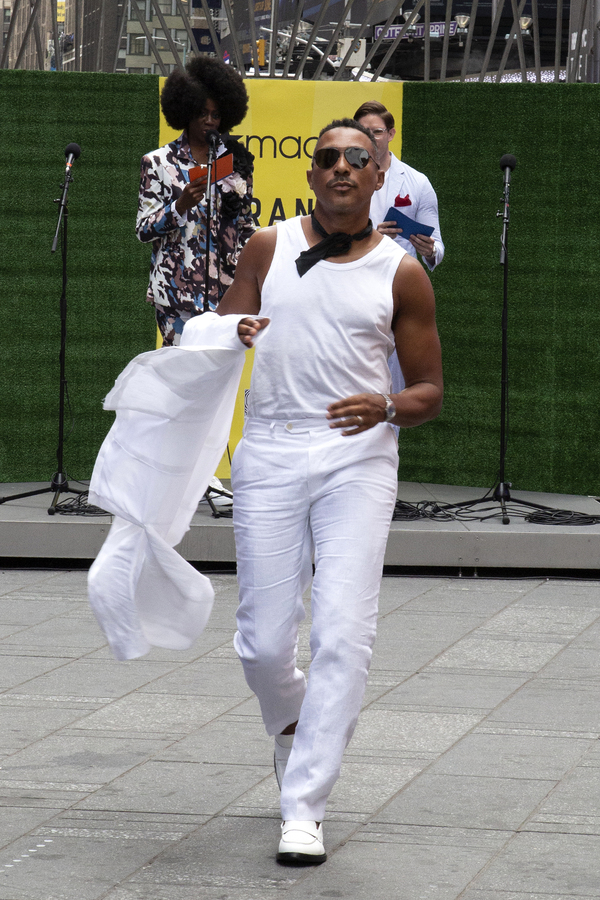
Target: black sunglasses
<point x="357" y="157"/>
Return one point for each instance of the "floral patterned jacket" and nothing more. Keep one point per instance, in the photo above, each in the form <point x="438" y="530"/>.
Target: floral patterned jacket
<point x="179" y="242"/>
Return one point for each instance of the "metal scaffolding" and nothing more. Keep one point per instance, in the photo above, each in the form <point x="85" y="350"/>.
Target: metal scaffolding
<point x="502" y="40"/>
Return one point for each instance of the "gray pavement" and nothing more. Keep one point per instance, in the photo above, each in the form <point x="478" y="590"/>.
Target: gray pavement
<point x="474" y="772"/>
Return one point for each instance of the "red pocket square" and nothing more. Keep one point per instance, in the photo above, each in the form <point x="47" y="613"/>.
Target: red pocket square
<point x="402" y="201"/>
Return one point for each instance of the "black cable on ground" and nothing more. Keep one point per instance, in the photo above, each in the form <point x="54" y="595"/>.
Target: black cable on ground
<point x="79" y="506"/>
<point x="443" y="512"/>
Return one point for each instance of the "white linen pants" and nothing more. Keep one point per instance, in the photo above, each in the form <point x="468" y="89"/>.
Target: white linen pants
<point x="301" y="485"/>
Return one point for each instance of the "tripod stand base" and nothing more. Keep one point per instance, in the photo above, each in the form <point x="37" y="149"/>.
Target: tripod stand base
<point x="59" y="485"/>
<point x="501" y="495"/>
<point x="221" y="511"/>
<point x="47" y="490"/>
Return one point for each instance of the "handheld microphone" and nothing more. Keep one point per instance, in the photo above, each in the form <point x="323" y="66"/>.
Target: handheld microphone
<point x="72" y="152"/>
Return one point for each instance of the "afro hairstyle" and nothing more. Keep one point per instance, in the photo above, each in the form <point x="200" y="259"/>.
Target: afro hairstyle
<point x="184" y="95"/>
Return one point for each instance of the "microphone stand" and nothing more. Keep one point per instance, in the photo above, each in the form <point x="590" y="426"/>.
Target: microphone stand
<point x="212" y="149"/>
<point x="501" y="492"/>
<point x="213" y="138"/>
<point x="59" y="484"/>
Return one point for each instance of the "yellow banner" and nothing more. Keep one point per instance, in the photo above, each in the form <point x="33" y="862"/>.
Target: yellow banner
<point x="281" y="129"/>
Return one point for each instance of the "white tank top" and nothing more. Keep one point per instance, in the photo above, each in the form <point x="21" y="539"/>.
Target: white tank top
<point x="331" y="330"/>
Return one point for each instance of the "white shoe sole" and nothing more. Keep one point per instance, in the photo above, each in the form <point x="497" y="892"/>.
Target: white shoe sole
<point x="301" y="845"/>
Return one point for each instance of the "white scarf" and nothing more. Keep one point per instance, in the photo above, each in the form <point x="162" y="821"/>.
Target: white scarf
<point x="174" y="409"/>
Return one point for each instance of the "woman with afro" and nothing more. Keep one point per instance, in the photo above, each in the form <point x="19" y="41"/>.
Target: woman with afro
<point x="208" y="96"/>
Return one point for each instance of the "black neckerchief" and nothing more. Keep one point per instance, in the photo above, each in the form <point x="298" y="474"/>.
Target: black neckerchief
<point x="335" y="244"/>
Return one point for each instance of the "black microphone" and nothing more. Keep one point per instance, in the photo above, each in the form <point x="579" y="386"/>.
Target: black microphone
<point x="213" y="137"/>
<point x="507" y="164"/>
<point x="72" y="152"/>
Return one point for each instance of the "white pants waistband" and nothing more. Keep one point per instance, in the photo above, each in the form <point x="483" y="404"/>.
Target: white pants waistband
<point x="255" y="425"/>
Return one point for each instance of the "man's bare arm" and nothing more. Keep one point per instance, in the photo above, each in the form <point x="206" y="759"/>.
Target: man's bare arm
<point x="243" y="296"/>
<point x="417" y="345"/>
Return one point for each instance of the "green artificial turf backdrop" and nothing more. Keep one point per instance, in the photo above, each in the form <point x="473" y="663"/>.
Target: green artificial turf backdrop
<point x="114" y="119"/>
<point x="454" y="133"/>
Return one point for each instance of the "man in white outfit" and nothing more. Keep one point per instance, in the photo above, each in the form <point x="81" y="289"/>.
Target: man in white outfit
<point x="316" y="470"/>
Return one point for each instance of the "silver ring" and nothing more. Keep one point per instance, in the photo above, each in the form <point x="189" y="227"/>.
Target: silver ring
<point x="360" y="420"/>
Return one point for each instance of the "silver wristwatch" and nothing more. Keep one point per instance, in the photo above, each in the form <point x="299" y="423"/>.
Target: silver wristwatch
<point x="390" y="409"/>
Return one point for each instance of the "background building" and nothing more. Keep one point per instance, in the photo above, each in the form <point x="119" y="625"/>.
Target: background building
<point x="161" y="33"/>
<point x="27" y="28"/>
<point x="92" y="31"/>
<point x="418" y="40"/>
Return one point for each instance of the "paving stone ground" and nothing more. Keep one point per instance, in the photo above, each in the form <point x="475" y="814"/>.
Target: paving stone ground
<point x="474" y="772"/>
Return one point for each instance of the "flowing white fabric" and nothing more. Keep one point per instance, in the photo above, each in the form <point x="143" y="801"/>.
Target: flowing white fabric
<point x="174" y="409"/>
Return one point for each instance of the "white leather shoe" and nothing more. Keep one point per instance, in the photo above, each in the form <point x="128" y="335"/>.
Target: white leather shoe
<point x="283" y="748"/>
<point x="301" y="844"/>
<point x="218" y="493"/>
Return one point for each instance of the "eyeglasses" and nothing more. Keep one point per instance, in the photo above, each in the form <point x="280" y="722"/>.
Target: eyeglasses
<point x="357" y="157"/>
<point x="377" y="132"/>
